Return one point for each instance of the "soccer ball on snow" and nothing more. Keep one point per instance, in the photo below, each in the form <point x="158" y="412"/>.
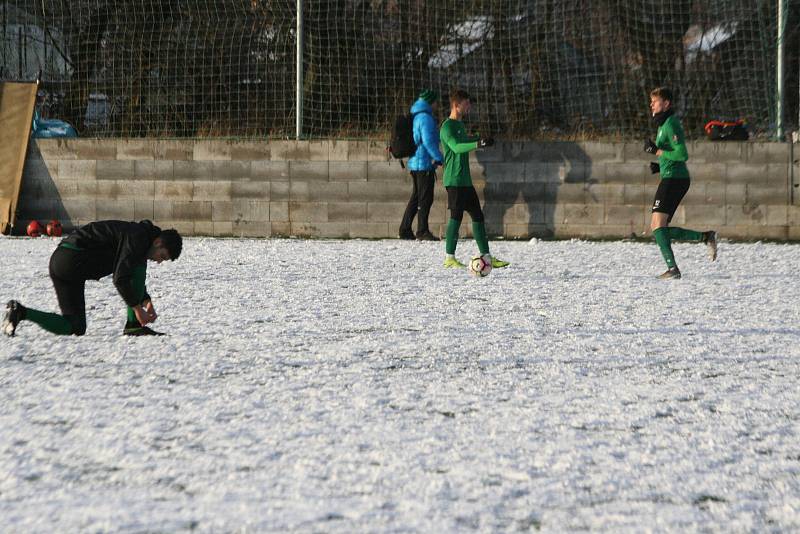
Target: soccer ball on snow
<point x="479" y="266"/>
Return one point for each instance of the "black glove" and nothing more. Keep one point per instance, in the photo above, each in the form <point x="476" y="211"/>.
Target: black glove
<point x="650" y="147"/>
<point x="655" y="168"/>
<point x="486" y="142"/>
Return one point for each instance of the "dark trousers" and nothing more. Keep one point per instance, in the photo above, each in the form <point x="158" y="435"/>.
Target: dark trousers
<point x="420" y="202"/>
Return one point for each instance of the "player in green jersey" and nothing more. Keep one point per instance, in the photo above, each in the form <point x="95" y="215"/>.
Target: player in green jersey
<point x="670" y="148"/>
<point x="461" y="194"/>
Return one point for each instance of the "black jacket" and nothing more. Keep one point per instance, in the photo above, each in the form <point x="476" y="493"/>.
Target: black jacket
<point x="125" y="245"/>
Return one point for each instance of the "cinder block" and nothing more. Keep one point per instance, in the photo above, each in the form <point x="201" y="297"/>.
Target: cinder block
<point x="36" y="208"/>
<point x="40" y="169"/>
<point x="356" y="150"/>
<point x="321" y="230"/>
<point x="625" y="173"/>
<point x="745" y="215"/>
<point x="122" y="189"/>
<point x="174" y="190"/>
<point x="494" y="154"/>
<point x="622" y="215"/>
<point x="114" y="170"/>
<point x="708" y="172"/>
<point x="320" y="191"/>
<point x="230" y="170"/>
<point x="191" y="210"/>
<point x="777" y="215"/>
<point x="211" y="150"/>
<point x="735" y="194"/>
<point x="186" y="228"/>
<point x="250" y="151"/>
<point x="633" y="152"/>
<point x="347" y="171"/>
<point x="152" y="170"/>
<point x="211" y="190"/>
<point x="173" y="149"/>
<point x="778" y="173"/>
<point x="203" y="228"/>
<point x="269" y="170"/>
<point x="142" y="209"/>
<point x="279" y="190"/>
<point x="88" y="189"/>
<point x="77" y="169"/>
<point x="122" y="210"/>
<point x="571" y="194"/>
<point x="222" y="229"/>
<point x="767" y="194"/>
<point x="613" y="194"/>
<point x="379" y="191"/>
<point x="582" y="214"/>
<point x="705" y="193"/>
<point x="250" y="190"/>
<point x="347" y="211"/>
<point x="729" y="151"/>
<point x="54" y="149"/>
<point x="501" y="172"/>
<point x="758" y="152"/>
<point x="772" y="233"/>
<point x="221" y="210"/>
<point x="318" y="150"/>
<point x="192" y="170"/>
<point x="251" y="229"/>
<point x="734" y="231"/>
<point x="371" y="230"/>
<point x="250" y="210"/>
<point x="80" y="209"/>
<point x="162" y="210"/>
<point x="136" y="149"/>
<point x="282" y="150"/>
<point x="793" y="215"/>
<point x="307" y="171"/>
<point x="387" y="171"/>
<point x="385" y="211"/>
<point x="339" y="150"/>
<point x="635" y="194"/>
<point x="308" y="212"/>
<point x="281" y="228"/>
<point x="45" y="188"/>
<point x="743" y="173"/>
<point x="705" y="215"/>
<point x="95" y="148"/>
<point x="598" y="152"/>
<point x="591" y="231"/>
<point x="376" y="151"/>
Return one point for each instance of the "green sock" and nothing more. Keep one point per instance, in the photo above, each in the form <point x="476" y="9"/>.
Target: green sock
<point x="452" y="236"/>
<point x="52" y="322"/>
<point x="479" y="231"/>
<point x="682" y="234"/>
<point x="662" y="238"/>
<point x="139" y="275"/>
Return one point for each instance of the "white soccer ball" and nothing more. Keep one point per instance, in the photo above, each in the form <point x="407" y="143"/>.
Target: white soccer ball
<point x="479" y="266"/>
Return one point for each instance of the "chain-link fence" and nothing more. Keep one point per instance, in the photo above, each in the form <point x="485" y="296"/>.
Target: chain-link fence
<point x="540" y="69"/>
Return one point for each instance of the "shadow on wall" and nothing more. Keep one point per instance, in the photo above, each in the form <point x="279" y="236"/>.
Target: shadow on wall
<point x="39" y="196"/>
<point x="525" y="181"/>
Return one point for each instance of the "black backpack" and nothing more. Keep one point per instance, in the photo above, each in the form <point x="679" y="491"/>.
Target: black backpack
<point x="726" y="131"/>
<point x="402" y="144"/>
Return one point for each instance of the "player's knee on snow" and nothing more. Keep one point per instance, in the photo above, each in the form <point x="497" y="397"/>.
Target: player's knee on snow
<point x="78" y="325"/>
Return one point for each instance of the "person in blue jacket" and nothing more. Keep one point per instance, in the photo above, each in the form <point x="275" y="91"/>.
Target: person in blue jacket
<point x="423" y="166"/>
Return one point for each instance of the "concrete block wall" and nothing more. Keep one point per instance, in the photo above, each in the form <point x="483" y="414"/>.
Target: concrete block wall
<point x="350" y="189"/>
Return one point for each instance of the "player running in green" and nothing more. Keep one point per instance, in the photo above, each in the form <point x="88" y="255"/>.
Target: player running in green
<point x="670" y="147"/>
<point x="90" y="253"/>
<point x="461" y="194"/>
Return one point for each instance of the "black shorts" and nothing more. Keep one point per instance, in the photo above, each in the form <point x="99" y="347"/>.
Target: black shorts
<point x="669" y="194"/>
<point x="69" y="270"/>
<point x="461" y="199"/>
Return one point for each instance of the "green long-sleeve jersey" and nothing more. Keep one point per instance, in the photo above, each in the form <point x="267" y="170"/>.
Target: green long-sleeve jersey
<point x="457" y="145"/>
<point x="672" y="142"/>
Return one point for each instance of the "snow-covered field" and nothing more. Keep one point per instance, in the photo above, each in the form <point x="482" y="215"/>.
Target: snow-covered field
<point x="357" y="386"/>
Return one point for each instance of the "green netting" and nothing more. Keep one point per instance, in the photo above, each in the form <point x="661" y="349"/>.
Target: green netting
<point x="539" y="68"/>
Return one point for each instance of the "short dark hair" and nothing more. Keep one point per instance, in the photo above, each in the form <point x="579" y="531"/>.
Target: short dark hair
<point x="459" y="95"/>
<point x="664" y="93"/>
<point x="173" y="242"/>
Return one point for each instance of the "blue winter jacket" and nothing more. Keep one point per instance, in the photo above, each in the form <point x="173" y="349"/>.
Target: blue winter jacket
<point x="426" y="137"/>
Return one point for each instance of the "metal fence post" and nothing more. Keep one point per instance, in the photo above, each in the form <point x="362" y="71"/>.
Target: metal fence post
<point x="779" y="77"/>
<point x="299" y="77"/>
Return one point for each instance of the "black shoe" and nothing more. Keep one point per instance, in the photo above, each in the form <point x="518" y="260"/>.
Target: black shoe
<point x="15" y="312"/>
<point x="135" y="329"/>
<point x="710" y="239"/>
<point x="406" y="234"/>
<point x="426" y="236"/>
<point x="672" y="272"/>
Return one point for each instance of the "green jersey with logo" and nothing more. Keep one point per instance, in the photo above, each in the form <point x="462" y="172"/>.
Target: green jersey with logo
<point x="457" y="145"/>
<point x="672" y="142"/>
